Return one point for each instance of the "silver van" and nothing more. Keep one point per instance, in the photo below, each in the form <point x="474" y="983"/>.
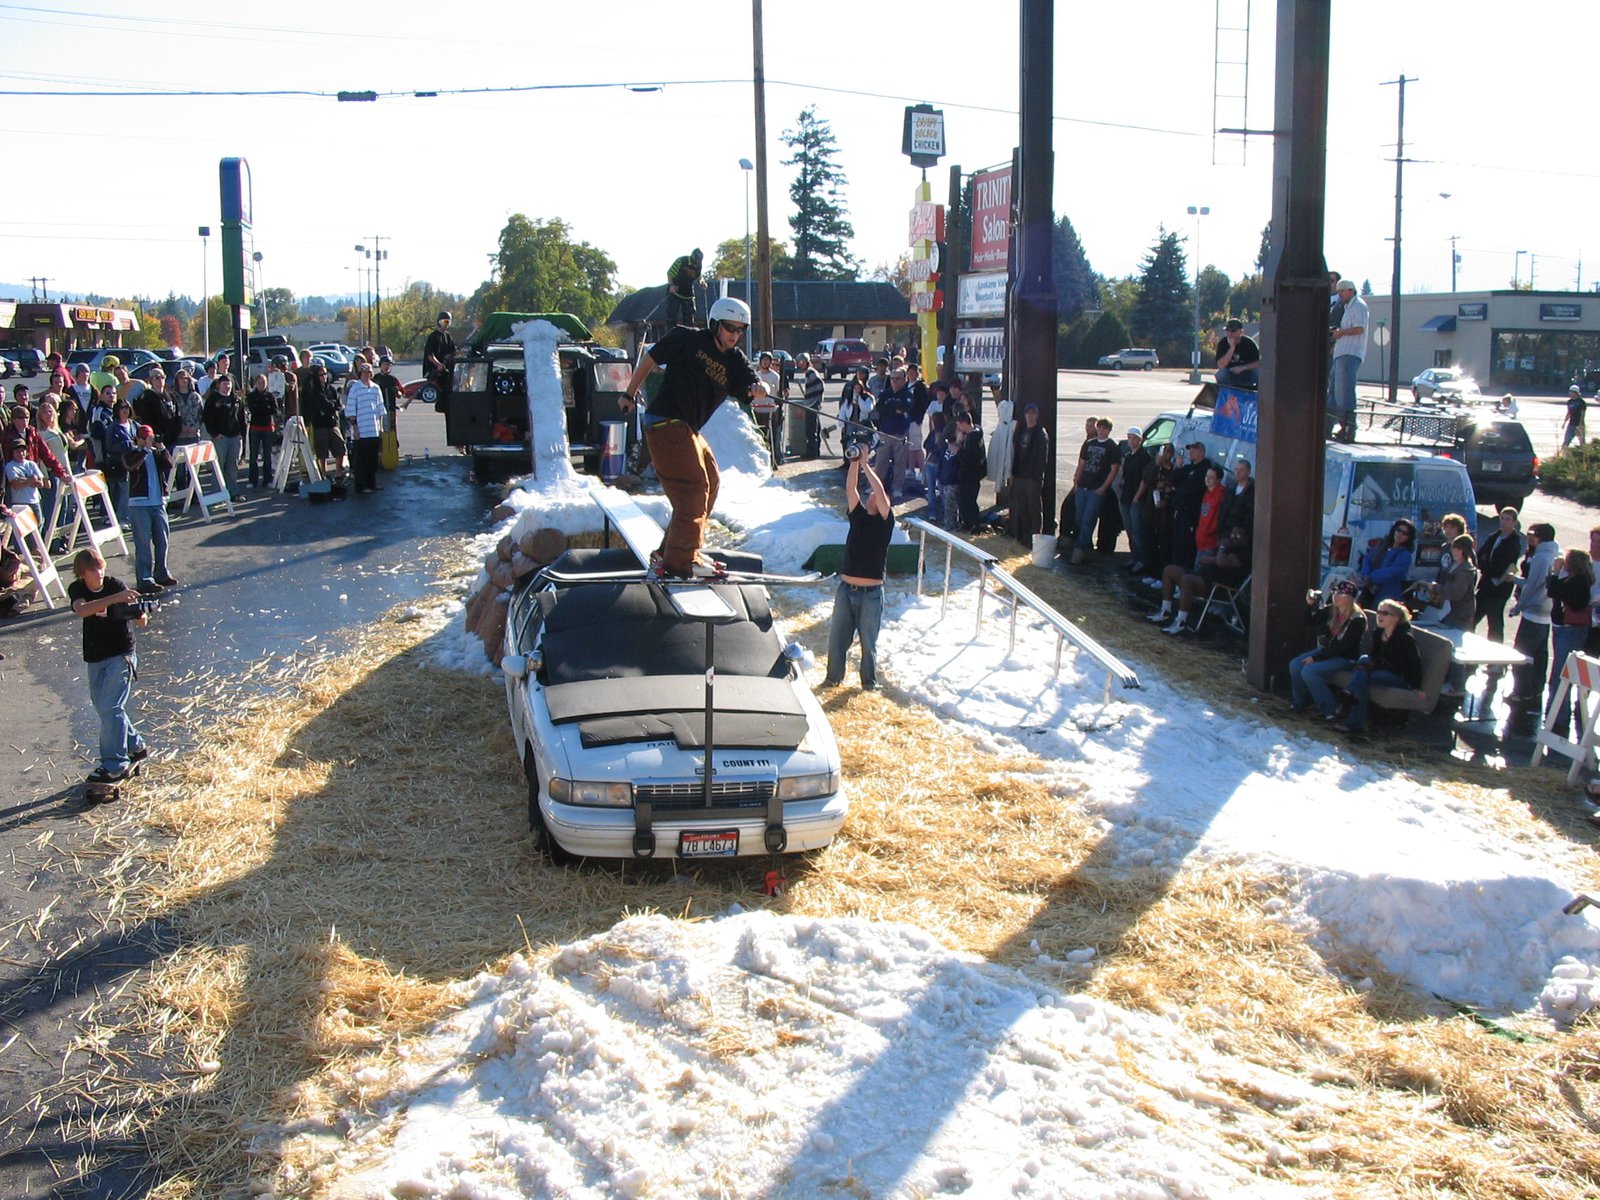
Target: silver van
<point x="1365" y="489"/>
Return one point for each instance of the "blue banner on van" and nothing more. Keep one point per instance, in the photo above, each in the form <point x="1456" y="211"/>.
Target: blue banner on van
<point x="1235" y="414"/>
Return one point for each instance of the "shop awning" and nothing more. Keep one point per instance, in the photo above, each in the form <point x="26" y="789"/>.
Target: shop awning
<point x="1439" y="325"/>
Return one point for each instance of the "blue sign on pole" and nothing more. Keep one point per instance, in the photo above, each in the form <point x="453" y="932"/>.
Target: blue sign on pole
<point x="1235" y="414"/>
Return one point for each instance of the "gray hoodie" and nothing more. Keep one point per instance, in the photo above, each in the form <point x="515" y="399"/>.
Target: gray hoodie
<point x="1533" y="601"/>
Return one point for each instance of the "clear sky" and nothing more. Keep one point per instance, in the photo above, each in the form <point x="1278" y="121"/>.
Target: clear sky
<point x="105" y="193"/>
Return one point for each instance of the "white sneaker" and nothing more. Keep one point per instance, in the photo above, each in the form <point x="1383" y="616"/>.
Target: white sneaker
<point x="1158" y="618"/>
<point x="1179" y="624"/>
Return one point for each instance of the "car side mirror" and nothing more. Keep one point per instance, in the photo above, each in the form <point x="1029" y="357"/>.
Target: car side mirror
<point x="515" y="666"/>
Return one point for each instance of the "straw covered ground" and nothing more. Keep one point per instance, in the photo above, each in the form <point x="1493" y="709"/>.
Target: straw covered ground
<point x="354" y="839"/>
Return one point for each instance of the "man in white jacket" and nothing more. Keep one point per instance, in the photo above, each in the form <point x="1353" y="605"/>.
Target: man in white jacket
<point x="1533" y="606"/>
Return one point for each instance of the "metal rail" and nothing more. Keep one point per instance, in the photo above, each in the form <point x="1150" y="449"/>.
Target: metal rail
<point x="989" y="572"/>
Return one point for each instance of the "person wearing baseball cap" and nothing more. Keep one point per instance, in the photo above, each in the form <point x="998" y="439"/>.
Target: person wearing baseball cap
<point x="149" y="466"/>
<point x="1347" y="327"/>
<point x="1136" y="461"/>
<point x="1341" y="626"/>
<point x="1575" y="411"/>
<point x="1031" y="463"/>
<point x="1238" y="357"/>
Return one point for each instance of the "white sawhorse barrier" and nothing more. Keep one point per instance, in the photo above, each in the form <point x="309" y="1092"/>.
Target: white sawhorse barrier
<point x="85" y="485"/>
<point x="195" y="455"/>
<point x="296" y="446"/>
<point x="35" y="553"/>
<point x="1580" y="680"/>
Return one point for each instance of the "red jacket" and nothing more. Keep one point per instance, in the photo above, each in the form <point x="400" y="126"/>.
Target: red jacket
<point x="37" y="450"/>
<point x="1206" y="536"/>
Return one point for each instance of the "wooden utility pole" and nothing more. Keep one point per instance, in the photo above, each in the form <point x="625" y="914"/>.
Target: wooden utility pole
<point x="1394" y="279"/>
<point x="1295" y="351"/>
<point x="763" y="244"/>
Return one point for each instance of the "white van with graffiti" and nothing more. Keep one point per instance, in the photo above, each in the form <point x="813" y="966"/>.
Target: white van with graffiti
<point x="1365" y="489"/>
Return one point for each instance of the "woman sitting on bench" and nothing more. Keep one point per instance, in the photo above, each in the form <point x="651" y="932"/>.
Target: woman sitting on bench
<point x="1394" y="661"/>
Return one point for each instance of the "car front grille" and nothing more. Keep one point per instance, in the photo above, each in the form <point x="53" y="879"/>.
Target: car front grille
<point x="734" y="793"/>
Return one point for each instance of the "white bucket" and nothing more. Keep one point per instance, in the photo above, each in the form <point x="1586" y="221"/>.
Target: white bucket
<point x="1044" y="549"/>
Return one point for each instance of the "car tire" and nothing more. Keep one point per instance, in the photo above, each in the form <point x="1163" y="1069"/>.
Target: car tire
<point x="1149" y="366"/>
<point x="1116" y="366"/>
<point x="428" y="393"/>
<point x="543" y="842"/>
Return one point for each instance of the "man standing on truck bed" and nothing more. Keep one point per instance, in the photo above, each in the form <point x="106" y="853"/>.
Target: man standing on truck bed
<point x="704" y="367"/>
<point x="439" y="357"/>
<point x="683" y="276"/>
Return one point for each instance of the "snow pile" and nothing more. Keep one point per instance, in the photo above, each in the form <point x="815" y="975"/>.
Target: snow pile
<point x="760" y="1055"/>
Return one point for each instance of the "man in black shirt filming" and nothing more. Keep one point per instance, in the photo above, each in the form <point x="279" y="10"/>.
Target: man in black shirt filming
<point x="858" y="604"/>
<point x="439" y="359"/>
<point x="109" y="609"/>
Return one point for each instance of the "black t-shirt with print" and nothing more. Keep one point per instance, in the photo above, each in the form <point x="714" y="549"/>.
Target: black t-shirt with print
<point x="104" y="636"/>
<point x="699" y="376"/>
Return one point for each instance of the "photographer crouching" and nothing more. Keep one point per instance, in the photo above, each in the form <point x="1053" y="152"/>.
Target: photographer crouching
<point x="109" y="609"/>
<point x="858" y="604"/>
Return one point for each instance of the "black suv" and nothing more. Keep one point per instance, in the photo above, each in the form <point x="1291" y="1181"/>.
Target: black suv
<point x="1499" y="459"/>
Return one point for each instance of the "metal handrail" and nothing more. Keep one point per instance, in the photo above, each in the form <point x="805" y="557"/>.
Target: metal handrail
<point x="989" y="570"/>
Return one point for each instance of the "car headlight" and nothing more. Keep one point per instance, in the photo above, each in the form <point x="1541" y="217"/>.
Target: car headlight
<point x="595" y="794"/>
<point x="806" y="787"/>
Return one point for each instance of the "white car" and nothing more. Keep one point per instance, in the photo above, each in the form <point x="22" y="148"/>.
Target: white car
<point x="1446" y="385"/>
<point x="1131" y="358"/>
<point x="608" y="688"/>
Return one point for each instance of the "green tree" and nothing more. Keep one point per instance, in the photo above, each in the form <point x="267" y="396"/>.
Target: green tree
<point x="410" y="314"/>
<point x="1266" y="244"/>
<point x="1215" y="287"/>
<point x="897" y="273"/>
<point x="1163" y="316"/>
<point x="148" y="335"/>
<point x="729" y="263"/>
<point x="1118" y="296"/>
<point x="1105" y="335"/>
<point x="281" y="306"/>
<point x="220" y="320"/>
<point x="822" y="231"/>
<point x="1075" y="280"/>
<point x="539" y="268"/>
<point x="1244" y="298"/>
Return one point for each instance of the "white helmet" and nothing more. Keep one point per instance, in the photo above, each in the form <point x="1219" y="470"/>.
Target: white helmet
<point x="729" y="309"/>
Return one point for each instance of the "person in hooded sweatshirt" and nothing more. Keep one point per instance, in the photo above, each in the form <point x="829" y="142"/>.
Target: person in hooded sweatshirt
<point x="1533" y="606"/>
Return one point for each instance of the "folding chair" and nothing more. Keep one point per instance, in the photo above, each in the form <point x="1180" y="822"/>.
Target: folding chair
<point x="1225" y="598"/>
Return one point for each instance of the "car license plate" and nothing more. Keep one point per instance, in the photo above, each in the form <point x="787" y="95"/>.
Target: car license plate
<point x="1492" y="466"/>
<point x="708" y="843"/>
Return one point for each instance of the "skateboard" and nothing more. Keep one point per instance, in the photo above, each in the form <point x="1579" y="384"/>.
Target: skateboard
<point x="97" y="791"/>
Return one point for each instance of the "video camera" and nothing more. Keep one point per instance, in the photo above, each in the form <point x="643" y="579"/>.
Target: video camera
<point x="132" y="610"/>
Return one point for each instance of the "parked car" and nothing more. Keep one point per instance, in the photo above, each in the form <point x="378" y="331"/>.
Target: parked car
<point x="1130" y="358"/>
<point x="128" y="357"/>
<point x="606" y="685"/>
<point x="1500" y="459"/>
<point x="840" y="356"/>
<point x="29" y="360"/>
<point x="169" y="367"/>
<point x="1365" y="488"/>
<point x="422" y="391"/>
<point x="1446" y="385"/>
<point x="9" y="367"/>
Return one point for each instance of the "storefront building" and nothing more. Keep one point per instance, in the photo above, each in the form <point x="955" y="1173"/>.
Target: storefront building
<point x="1510" y="341"/>
<point x="62" y="327"/>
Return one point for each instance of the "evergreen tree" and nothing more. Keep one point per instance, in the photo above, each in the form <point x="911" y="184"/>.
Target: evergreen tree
<point x="822" y="232"/>
<point x="1244" y="298"/>
<point x="1106" y="335"/>
<point x="1163" y="315"/>
<point x="1266" y="244"/>
<point x="1076" y="289"/>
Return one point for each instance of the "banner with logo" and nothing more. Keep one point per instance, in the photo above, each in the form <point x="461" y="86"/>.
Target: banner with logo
<point x="1235" y="414"/>
<point x="991" y="220"/>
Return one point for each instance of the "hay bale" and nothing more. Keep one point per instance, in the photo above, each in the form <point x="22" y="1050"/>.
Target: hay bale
<point x="502" y="578"/>
<point x="504" y="548"/>
<point x="522" y="566"/>
<point x="546" y="546"/>
<point x="492" y="627"/>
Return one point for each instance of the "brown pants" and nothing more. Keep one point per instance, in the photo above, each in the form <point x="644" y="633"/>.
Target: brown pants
<point x="688" y="473"/>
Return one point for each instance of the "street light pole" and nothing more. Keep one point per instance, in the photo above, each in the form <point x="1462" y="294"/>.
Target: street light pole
<point x="746" y="166"/>
<point x="205" y="290"/>
<point x="1516" y="270"/>
<point x="261" y="291"/>
<point x="1196" y="213"/>
<point x="361" y="292"/>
